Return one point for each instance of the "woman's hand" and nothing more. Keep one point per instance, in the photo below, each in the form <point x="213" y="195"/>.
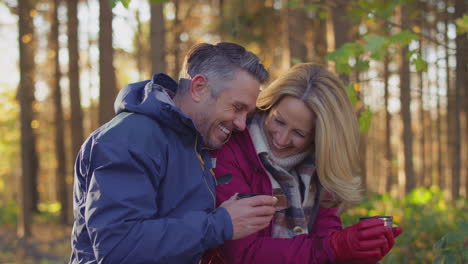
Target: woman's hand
<point x="365" y="242"/>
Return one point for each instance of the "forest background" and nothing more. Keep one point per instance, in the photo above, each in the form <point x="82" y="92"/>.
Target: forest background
<point x="404" y="63"/>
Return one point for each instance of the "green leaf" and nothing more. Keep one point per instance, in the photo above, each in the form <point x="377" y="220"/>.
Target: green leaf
<point x="322" y="14"/>
<point x="377" y="45"/>
<point x="420" y="64"/>
<point x="449" y="257"/>
<point x="438" y="260"/>
<point x="343" y="68"/>
<point x="462" y="24"/>
<point x="440" y="244"/>
<point x="454" y="237"/>
<point x="465" y="253"/>
<point x="124" y="3"/>
<point x="411" y="53"/>
<point x="404" y="37"/>
<point x="463" y="225"/>
<point x="374" y="43"/>
<point x="155" y="2"/>
<point x="312" y="7"/>
<point x="351" y="93"/>
<point x="292" y="4"/>
<point x="362" y="65"/>
<point x="295" y="61"/>
<point x="365" y="120"/>
<point x="342" y="55"/>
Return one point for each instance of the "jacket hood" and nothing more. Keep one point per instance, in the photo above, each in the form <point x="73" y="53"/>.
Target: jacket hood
<point x="153" y="98"/>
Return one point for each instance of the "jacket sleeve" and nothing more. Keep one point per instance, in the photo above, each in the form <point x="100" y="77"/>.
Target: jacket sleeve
<point x="257" y="248"/>
<point x="121" y="213"/>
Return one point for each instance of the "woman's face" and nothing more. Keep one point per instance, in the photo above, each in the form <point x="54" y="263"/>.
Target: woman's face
<point x="289" y="127"/>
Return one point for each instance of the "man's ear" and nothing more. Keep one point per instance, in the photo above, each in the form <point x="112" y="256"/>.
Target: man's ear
<point x="198" y="87"/>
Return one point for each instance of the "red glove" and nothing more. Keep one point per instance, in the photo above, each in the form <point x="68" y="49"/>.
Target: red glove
<point x="365" y="242"/>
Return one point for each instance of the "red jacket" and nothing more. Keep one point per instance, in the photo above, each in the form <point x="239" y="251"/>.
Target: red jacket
<point x="239" y="158"/>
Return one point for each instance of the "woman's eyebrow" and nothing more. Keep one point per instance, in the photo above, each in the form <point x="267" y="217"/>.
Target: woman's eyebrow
<point x="277" y="114"/>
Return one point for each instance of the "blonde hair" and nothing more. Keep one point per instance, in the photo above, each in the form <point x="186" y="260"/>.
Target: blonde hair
<point x="336" y="130"/>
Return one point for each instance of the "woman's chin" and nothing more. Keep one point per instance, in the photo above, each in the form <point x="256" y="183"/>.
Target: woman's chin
<point x="280" y="153"/>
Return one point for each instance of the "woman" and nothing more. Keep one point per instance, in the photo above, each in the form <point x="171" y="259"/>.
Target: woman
<point x="302" y="147"/>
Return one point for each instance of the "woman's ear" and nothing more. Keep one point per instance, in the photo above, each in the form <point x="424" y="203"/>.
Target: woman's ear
<point x="198" y="87"/>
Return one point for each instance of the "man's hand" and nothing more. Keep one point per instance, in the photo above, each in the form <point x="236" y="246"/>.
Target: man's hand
<point x="249" y="215"/>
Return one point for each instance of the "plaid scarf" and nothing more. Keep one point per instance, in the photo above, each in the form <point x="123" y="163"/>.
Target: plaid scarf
<point x="294" y="183"/>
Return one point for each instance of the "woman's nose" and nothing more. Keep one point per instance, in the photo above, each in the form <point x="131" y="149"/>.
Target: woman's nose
<point x="282" y="137"/>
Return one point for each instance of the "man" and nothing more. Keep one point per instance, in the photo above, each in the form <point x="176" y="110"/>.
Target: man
<point x="144" y="191"/>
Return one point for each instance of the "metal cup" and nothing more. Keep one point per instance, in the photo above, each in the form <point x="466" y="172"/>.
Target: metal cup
<point x="388" y="220"/>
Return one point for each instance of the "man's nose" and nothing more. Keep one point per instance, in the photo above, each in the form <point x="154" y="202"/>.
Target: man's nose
<point x="239" y="122"/>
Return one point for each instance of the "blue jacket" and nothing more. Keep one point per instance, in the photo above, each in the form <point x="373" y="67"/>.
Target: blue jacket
<point x="143" y="188"/>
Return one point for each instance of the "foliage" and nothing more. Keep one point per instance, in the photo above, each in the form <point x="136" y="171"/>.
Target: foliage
<point x="351" y="91"/>
<point x="373" y="44"/>
<point x="125" y="3"/>
<point x="8" y="213"/>
<point x="462" y="24"/>
<point x="364" y="120"/>
<point x="9" y="141"/>
<point x="451" y="247"/>
<point x="434" y="228"/>
<point x="48" y="213"/>
<point x="356" y="55"/>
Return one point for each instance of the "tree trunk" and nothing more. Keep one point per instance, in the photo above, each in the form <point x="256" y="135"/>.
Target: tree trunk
<point x="158" y="44"/>
<point x="439" y="122"/>
<point x="139" y="46"/>
<point x="319" y="42"/>
<point x="92" y="120"/>
<point x="285" y="62"/>
<point x="59" y="128"/>
<point x="296" y="33"/>
<point x="389" y="175"/>
<point x="405" y="95"/>
<point x="462" y="81"/>
<point x="29" y="159"/>
<point x="454" y="112"/>
<point x="362" y="137"/>
<point x="107" y="80"/>
<point x="74" y="78"/>
<point x="177" y="26"/>
<point x="341" y="27"/>
<point x="422" y="127"/>
<point x="440" y="163"/>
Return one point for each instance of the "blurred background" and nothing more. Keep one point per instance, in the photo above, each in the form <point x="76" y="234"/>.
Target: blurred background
<point x="404" y="63"/>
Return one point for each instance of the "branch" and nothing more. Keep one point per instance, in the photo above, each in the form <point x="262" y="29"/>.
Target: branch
<point x="334" y="5"/>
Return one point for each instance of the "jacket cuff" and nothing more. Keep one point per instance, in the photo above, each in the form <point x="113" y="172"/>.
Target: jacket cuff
<point x="228" y="231"/>
<point x="221" y="223"/>
<point x="327" y="248"/>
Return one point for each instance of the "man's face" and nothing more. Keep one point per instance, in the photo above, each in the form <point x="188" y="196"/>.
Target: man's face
<point x="220" y="115"/>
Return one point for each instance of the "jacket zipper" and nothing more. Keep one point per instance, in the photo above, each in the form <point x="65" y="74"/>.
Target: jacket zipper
<point x="202" y="165"/>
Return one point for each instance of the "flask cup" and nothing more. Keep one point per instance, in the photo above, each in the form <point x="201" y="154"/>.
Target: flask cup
<point x="388" y="220"/>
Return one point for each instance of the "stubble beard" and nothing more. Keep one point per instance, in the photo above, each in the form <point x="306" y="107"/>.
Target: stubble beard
<point x="202" y="123"/>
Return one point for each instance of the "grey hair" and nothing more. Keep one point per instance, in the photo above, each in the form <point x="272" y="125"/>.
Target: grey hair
<point x="219" y="63"/>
